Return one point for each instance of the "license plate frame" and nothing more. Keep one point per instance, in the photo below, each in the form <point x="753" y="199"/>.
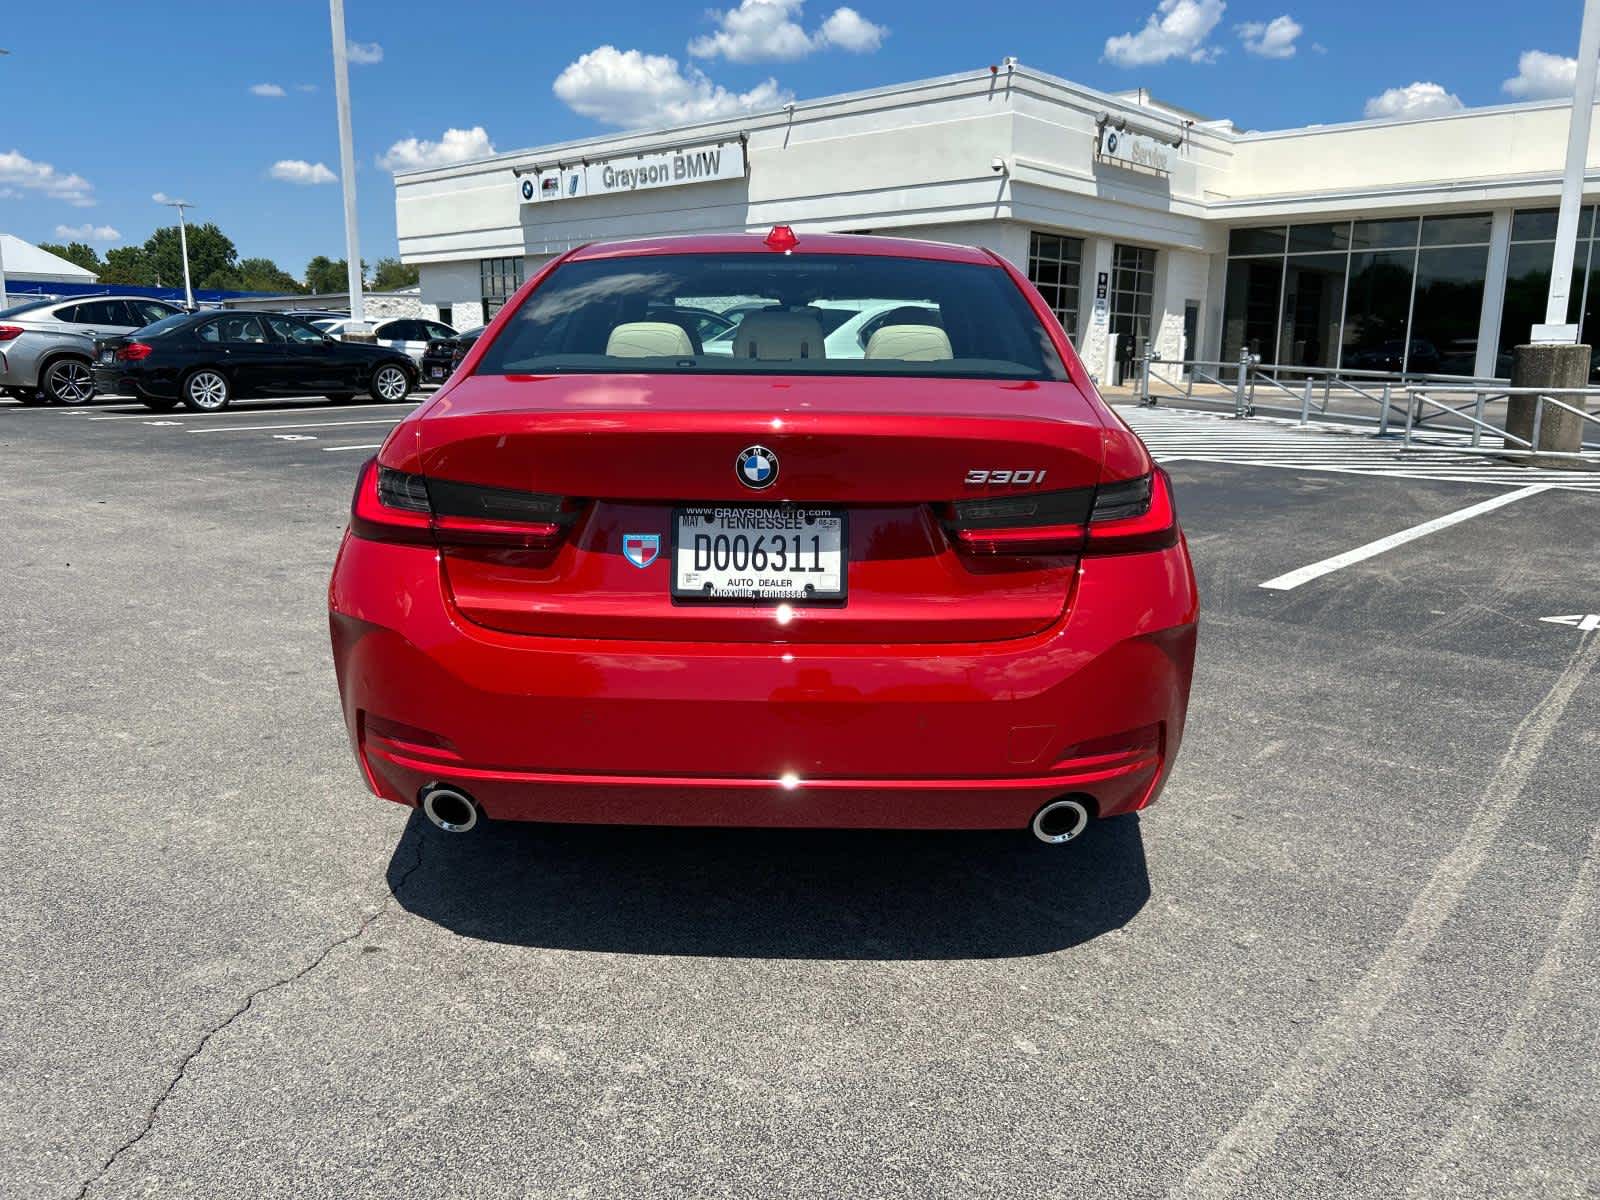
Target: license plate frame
<point x="763" y="596"/>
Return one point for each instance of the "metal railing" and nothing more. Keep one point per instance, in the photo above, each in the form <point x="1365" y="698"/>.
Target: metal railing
<point x="1469" y="407"/>
<point x="1371" y="395"/>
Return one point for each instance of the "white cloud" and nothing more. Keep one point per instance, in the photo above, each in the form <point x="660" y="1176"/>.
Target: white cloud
<point x="457" y="145"/>
<point x="305" y="87"/>
<point x="87" y="233"/>
<point x="630" y="89"/>
<point x="10" y="193"/>
<point x="364" y="53"/>
<point x="1416" y="100"/>
<point x="161" y="198"/>
<point x="1270" y="39"/>
<point x="298" y="170"/>
<point x="759" y="30"/>
<point x="17" y="168"/>
<point x="1177" y="29"/>
<point x="1542" y="76"/>
<point x="1319" y="47"/>
<point x="265" y="89"/>
<point x="849" y="30"/>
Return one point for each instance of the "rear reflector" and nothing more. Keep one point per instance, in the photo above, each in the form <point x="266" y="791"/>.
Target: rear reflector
<point x="397" y="506"/>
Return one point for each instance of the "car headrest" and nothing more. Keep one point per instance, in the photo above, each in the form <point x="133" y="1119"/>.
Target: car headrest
<point x="910" y="343"/>
<point x="779" y="336"/>
<point x="649" y="339"/>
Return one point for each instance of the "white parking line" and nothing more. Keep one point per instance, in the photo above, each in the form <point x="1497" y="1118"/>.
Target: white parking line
<point x="304" y="425"/>
<point x="1316" y="570"/>
<point x="363" y="446"/>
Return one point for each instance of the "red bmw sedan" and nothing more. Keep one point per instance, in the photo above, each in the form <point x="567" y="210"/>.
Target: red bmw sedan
<point x="868" y="551"/>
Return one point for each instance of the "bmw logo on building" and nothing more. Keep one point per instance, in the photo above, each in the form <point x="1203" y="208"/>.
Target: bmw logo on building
<point x="527" y="189"/>
<point x="756" y="467"/>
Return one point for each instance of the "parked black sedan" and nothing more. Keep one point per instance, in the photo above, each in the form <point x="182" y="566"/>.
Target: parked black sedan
<point x="444" y="355"/>
<point x="207" y="360"/>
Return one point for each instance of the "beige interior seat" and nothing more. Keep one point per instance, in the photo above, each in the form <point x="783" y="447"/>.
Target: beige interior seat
<point x="649" y="339"/>
<point x="779" y="336"/>
<point x="910" y="343"/>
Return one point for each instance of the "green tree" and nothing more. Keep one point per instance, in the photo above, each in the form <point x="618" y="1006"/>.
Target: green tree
<point x="210" y="251"/>
<point x="391" y="275"/>
<point x="130" y="265"/>
<point x="75" y="252"/>
<point x="325" y="275"/>
<point x="254" y="275"/>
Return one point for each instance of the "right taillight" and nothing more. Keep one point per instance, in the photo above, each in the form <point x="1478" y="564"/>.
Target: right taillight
<point x="7" y="332"/>
<point x="1123" y="517"/>
<point x="397" y="506"/>
<point x="1133" y="515"/>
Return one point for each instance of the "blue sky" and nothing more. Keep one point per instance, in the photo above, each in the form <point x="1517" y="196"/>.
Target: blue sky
<point x="230" y="105"/>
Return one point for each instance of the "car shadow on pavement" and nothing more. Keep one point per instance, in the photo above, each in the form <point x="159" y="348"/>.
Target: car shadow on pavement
<point x="746" y="893"/>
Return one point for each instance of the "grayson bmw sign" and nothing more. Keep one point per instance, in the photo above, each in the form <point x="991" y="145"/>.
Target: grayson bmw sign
<point x="705" y="163"/>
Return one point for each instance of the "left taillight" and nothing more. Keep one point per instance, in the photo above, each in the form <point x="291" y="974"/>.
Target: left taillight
<point x="7" y="332"/>
<point x="133" y="352"/>
<point x="397" y="506"/>
<point x="1121" y="517"/>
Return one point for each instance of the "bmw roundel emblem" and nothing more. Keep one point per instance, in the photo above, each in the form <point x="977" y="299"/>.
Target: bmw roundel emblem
<point x="527" y="189"/>
<point x="756" y="467"/>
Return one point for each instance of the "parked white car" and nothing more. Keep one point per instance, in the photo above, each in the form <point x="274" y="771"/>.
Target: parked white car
<point x="409" y="335"/>
<point x="847" y="325"/>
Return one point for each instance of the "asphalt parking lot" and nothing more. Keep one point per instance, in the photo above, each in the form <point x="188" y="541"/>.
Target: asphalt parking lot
<point x="1354" y="951"/>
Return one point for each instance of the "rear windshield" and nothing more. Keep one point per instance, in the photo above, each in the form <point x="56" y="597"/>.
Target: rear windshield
<point x="16" y="310"/>
<point x="166" y="325"/>
<point x="825" y="314"/>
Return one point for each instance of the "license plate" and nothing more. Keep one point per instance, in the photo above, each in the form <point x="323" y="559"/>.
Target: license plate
<point x="108" y="356"/>
<point x="758" y="552"/>
<point x="435" y="372"/>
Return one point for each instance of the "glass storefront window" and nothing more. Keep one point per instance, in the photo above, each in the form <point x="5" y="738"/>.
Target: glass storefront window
<point x="1250" y="308"/>
<point x="1313" y="300"/>
<point x="1055" y="265"/>
<point x="1466" y="229"/>
<point x="1268" y="240"/>
<point x="1444" y="315"/>
<point x="1539" y="224"/>
<point x="1385" y="234"/>
<point x="1133" y="278"/>
<point x="1528" y="286"/>
<point x="1311" y="238"/>
<point x="1375" y="310"/>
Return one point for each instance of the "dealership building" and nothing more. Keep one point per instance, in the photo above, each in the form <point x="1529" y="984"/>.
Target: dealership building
<point x="1420" y="244"/>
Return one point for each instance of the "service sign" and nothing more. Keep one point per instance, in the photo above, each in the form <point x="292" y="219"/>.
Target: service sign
<point x="1121" y="145"/>
<point x="635" y="173"/>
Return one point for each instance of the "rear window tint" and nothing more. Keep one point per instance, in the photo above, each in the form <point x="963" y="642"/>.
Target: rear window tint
<point x="825" y="314"/>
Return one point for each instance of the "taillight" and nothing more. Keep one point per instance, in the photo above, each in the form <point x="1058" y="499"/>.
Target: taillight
<point x="1039" y="523"/>
<point x="396" y="506"/>
<point x="1133" y="515"/>
<point x="1115" y="518"/>
<point x="7" y="332"/>
<point x="133" y="352"/>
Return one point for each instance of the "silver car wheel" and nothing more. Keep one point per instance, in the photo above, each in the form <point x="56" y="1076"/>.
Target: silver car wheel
<point x="69" y="382"/>
<point x="390" y="383"/>
<point x="207" y="390"/>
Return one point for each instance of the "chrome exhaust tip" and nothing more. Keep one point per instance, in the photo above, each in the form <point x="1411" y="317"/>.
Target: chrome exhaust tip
<point x="1060" y="821"/>
<point x="450" y="809"/>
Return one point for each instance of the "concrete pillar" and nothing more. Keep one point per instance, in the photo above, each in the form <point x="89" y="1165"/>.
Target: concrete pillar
<point x="1554" y="366"/>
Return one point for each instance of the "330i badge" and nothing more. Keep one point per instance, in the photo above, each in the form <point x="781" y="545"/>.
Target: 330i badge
<point x="855" y="626"/>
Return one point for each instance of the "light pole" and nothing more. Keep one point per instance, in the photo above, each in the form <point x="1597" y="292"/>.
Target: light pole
<point x="347" y="168"/>
<point x="1555" y="313"/>
<point x="183" y="245"/>
<point x="4" y="303"/>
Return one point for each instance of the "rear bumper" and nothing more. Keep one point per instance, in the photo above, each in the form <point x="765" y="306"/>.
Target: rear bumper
<point x="118" y="381"/>
<point x="891" y="736"/>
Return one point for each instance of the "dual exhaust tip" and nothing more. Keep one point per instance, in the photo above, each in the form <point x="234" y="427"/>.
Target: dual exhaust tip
<point x="454" y="811"/>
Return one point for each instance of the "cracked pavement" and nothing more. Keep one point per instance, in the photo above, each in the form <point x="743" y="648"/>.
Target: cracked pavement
<point x="1354" y="951"/>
